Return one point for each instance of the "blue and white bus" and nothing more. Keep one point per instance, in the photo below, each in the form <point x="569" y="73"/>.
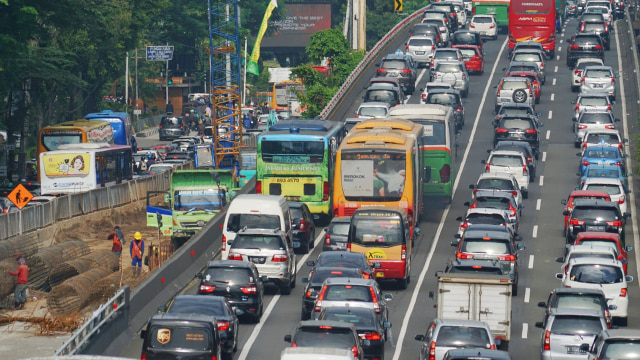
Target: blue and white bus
<point x="120" y="123"/>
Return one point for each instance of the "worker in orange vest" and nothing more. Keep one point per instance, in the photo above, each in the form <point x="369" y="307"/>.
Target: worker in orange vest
<point x="136" y="249"/>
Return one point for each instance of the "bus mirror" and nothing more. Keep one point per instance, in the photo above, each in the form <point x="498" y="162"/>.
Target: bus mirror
<point x="416" y="231"/>
<point x="167" y="199"/>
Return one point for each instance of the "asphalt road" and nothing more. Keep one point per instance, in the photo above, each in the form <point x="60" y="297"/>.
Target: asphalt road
<point x="541" y="224"/>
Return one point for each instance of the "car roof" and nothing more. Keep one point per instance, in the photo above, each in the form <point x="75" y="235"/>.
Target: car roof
<point x="565" y="290"/>
<point x="593" y="94"/>
<point x="444" y="91"/>
<point x="590" y="249"/>
<point x="336" y="219"/>
<point x="349" y="281"/>
<point x="598" y="67"/>
<point x="473" y="232"/>
<point x="593" y="202"/>
<point x="488" y="211"/>
<point x="594" y="261"/>
<point x="229" y="263"/>
<point x="453" y="322"/>
<point x="496" y="175"/>
<point x="586" y="235"/>
<point x="576" y="311"/>
<point x="523" y="63"/>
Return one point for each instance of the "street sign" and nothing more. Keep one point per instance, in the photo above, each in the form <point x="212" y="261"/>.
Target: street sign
<point x="159" y="53"/>
<point x="137" y="111"/>
<point x="20" y="196"/>
<point x="9" y="147"/>
<point x="397" y="6"/>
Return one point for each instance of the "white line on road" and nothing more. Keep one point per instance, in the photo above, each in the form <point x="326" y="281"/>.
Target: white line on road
<point x="557" y="57"/>
<point x="553" y="97"/>
<point x="527" y="295"/>
<point x="541" y="180"/>
<point x="538" y="203"/>
<point x="423" y="273"/>
<point x="548" y="131"/>
<point x="530" y="266"/>
<point x="417" y="82"/>
<point x="559" y="48"/>
<point x="535" y="231"/>
<point x="550" y="116"/>
<point x="561" y="41"/>
<point x="553" y="82"/>
<point x="544" y="156"/>
<point x="525" y="330"/>
<point x="555" y="69"/>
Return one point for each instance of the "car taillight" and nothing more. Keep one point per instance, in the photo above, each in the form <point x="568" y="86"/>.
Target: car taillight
<point x="525" y="170"/>
<point x="294" y="345"/>
<point x="610" y="126"/>
<point x="424" y="96"/>
<point x="514" y="193"/>
<point x="513" y="210"/>
<point x="464" y="256"/>
<point x="302" y="224"/>
<point x="529" y="159"/>
<point x="615" y="222"/>
<point x="349" y="247"/>
<point x="354" y="350"/>
<point x="464" y="225"/>
<point x="565" y="268"/>
<point x="488" y="167"/>
<point x="207" y="289"/>
<point x="598" y="47"/>
<point x="382" y="70"/>
<point x="574" y="47"/>
<point x="609" y="107"/>
<point x="432" y="351"/>
<point x="492" y="26"/>
<point x="585" y="163"/>
<point x="181" y="127"/>
<point x="613" y="80"/>
<point x="547" y="341"/>
<point x="258" y="187"/>
<point x="576" y="222"/>
<point x="577" y="108"/>
<point x="459" y="109"/>
<point x="365" y="275"/>
<point x="325" y="191"/>
<point x="501" y="130"/>
<point x="407" y="48"/>
<point x="582" y="79"/>
<point x="234" y="256"/>
<point x="507" y="258"/>
<point x="472" y="26"/>
<point x="582" y="126"/>
<point x="498" y="92"/>
<point x="224" y="242"/>
<point x="403" y="254"/>
<point x="279" y="258"/>
<point x="623" y="292"/>
<point x="327" y="239"/>
<point x="357" y="115"/>
<point x="433" y="47"/>
<point x="406" y="71"/>
<point x="618" y="163"/>
<point x="621" y="200"/>
<point x="223" y="325"/>
<point x="531" y="131"/>
<point x="577" y="72"/>
<point x="252" y="290"/>
<point x="143" y="356"/>
<point x="371" y="336"/>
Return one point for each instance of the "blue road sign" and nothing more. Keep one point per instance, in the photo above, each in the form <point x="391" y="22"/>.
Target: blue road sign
<point x="159" y="53"/>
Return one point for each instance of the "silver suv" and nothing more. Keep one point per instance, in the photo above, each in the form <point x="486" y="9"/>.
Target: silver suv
<point x="454" y="73"/>
<point x="599" y="79"/>
<point x="353" y="292"/>
<point x="514" y="90"/>
<point x="444" y="335"/>
<point x="591" y="101"/>
<point x="592" y="120"/>
<point x="421" y="48"/>
<point x="272" y="253"/>
<point x="614" y="344"/>
<point x="566" y="329"/>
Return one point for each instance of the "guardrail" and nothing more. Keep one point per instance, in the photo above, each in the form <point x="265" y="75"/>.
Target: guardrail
<point x="65" y="207"/>
<point x="375" y="51"/>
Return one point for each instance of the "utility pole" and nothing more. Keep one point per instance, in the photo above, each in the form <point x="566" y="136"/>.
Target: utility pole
<point x="167" y="84"/>
<point x="362" y="25"/>
<point x="244" y="82"/>
<point x="137" y="115"/>
<point x="126" y="83"/>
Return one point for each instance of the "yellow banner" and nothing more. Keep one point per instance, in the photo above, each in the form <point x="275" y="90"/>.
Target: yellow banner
<point x="255" y="55"/>
<point x="67" y="164"/>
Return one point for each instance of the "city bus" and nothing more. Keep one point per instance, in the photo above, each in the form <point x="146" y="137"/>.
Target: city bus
<point x="498" y="8"/>
<point x="73" y="132"/>
<point x="533" y="21"/>
<point x="439" y="147"/>
<point x="295" y="159"/>
<point x="120" y="124"/>
<point x="382" y="233"/>
<point x="379" y="167"/>
<point x="74" y="168"/>
<point x="286" y="96"/>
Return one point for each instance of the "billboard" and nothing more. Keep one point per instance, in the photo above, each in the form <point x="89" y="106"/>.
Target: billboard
<point x="301" y="21"/>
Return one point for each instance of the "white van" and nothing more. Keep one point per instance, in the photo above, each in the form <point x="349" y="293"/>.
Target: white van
<point x="315" y="353"/>
<point x="255" y="211"/>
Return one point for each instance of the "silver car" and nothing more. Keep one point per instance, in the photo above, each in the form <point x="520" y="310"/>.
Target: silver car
<point x="352" y="292"/>
<point x="576" y="73"/>
<point x="454" y="73"/>
<point x="421" y="48"/>
<point x="443" y="335"/>
<point x="592" y="120"/>
<point x="566" y="329"/>
<point x="614" y="344"/>
<point x="591" y="101"/>
<point x="535" y="56"/>
<point x="445" y="54"/>
<point x="272" y="253"/>
<point x="372" y="109"/>
<point x="599" y="79"/>
<point x="514" y="90"/>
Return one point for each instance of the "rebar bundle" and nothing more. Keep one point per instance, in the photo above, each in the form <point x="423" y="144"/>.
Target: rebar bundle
<point x="75" y="293"/>
<point x="24" y="245"/>
<point x="99" y="259"/>
<point x="7" y="282"/>
<point x="41" y="263"/>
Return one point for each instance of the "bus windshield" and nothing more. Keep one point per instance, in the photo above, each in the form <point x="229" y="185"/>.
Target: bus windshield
<point x="292" y="152"/>
<point x="383" y="231"/>
<point x="206" y="199"/>
<point x="369" y="174"/>
<point x="53" y="139"/>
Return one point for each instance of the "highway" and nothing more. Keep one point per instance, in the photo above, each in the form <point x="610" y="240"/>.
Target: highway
<point x="541" y="223"/>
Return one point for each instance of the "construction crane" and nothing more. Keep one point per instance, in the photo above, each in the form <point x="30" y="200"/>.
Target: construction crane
<point x="225" y="65"/>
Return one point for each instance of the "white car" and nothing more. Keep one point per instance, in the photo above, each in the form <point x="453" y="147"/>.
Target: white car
<point x="589" y="120"/>
<point x="576" y="73"/>
<point x="433" y="85"/>
<point x="487" y="216"/>
<point x="484" y="24"/>
<point x="591" y="101"/>
<point x="421" y="48"/>
<point x="372" y="109"/>
<point x="612" y="186"/>
<point x="498" y="181"/>
<point x="512" y="162"/>
<point x="597" y="79"/>
<point x="582" y="251"/>
<point x="598" y="137"/>
<point x="601" y="274"/>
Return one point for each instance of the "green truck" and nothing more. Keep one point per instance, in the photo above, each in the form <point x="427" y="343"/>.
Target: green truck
<point x="194" y="198"/>
<point x="498" y="8"/>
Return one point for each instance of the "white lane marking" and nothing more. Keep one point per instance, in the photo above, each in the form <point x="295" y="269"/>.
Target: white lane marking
<point x="544" y="156"/>
<point x="541" y="180"/>
<point x="538" y="203"/>
<point x="632" y="199"/>
<point x="265" y="315"/>
<point x="417" y="82"/>
<point x="534" y="234"/>
<point x="557" y="57"/>
<point x="423" y="273"/>
<point x="550" y="116"/>
<point x="553" y="97"/>
<point x="527" y="295"/>
<point x="530" y="266"/>
<point x="525" y="330"/>
<point x="559" y="48"/>
<point x="561" y="41"/>
<point x="553" y="82"/>
<point x="548" y="131"/>
<point x="555" y="69"/>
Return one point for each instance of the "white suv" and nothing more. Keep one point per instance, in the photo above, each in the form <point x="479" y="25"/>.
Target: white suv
<point x="484" y="24"/>
<point x="576" y="73"/>
<point x="599" y="79"/>
<point x="612" y="186"/>
<point x="513" y="162"/>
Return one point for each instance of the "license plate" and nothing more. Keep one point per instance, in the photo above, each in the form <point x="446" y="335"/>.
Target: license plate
<point x="296" y="244"/>
<point x="573" y="350"/>
<point x="257" y="259"/>
<point x="598" y="85"/>
<point x="380" y="274"/>
<point x="392" y="74"/>
<point x="595" y="228"/>
<point x="341" y="245"/>
<point x="419" y="52"/>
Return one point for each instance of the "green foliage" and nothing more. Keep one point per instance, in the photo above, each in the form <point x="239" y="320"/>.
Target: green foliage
<point x="316" y="98"/>
<point x="326" y="44"/>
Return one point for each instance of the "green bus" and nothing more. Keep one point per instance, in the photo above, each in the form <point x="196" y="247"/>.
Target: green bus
<point x="295" y="159"/>
<point x="439" y="149"/>
<point x="498" y="8"/>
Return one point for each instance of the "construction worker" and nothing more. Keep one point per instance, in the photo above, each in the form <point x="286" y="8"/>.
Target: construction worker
<point x="136" y="249"/>
<point x="23" y="278"/>
<point x="118" y="240"/>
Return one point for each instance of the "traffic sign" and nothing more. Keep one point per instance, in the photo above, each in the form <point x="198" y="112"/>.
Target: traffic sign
<point x="137" y="112"/>
<point x="398" y="6"/>
<point x="159" y="53"/>
<point x="9" y="147"/>
<point x="20" y="196"/>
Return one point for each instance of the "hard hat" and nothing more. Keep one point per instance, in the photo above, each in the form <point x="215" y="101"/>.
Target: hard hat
<point x="149" y="157"/>
<point x="192" y="110"/>
<point x="137" y="235"/>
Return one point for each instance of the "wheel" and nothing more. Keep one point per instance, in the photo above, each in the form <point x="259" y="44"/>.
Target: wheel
<point x="525" y="194"/>
<point x="311" y="241"/>
<point x="258" y="316"/>
<point x="304" y="315"/>
<point x="403" y="283"/>
<point x="465" y="93"/>
<point x="514" y="289"/>
<point x="519" y="96"/>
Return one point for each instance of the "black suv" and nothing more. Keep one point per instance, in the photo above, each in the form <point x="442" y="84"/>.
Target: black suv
<point x="172" y="127"/>
<point x="238" y="281"/>
<point x="517" y="128"/>
<point x="327" y="333"/>
<point x="584" y="45"/>
<point x="345" y="259"/>
<point x="303" y="227"/>
<point x="400" y="67"/>
<point x="181" y="336"/>
<point x="473" y="266"/>
<point x="451" y="98"/>
<point x="594" y="215"/>
<point x="314" y="285"/>
<point x="386" y="93"/>
<point x="598" y="27"/>
<point x="516" y="109"/>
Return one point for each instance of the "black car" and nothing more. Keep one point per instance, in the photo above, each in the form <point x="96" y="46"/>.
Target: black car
<point x="368" y="324"/>
<point x="304" y="229"/>
<point x="336" y="233"/>
<point x="594" y="215"/>
<point x="314" y="285"/>
<point x="181" y="336"/>
<point x="516" y="109"/>
<point x="525" y="148"/>
<point x="430" y="30"/>
<point x="451" y="98"/>
<point x="331" y="334"/>
<point x="384" y="92"/>
<point x="584" y="45"/>
<point x="237" y="281"/>
<point x="398" y="66"/>
<point x="216" y="306"/>
<point x="449" y="10"/>
<point x="474" y="266"/>
<point x="172" y="127"/>
<point x="598" y="27"/>
<point x="519" y="128"/>
<point x="344" y="259"/>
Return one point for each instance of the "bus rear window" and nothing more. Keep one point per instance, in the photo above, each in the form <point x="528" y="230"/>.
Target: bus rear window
<point x="52" y="141"/>
<point x="292" y="152"/>
<point x="367" y="175"/>
<point x="377" y="232"/>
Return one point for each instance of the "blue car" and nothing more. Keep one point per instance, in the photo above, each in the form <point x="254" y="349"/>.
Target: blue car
<point x="603" y="171"/>
<point x="602" y="155"/>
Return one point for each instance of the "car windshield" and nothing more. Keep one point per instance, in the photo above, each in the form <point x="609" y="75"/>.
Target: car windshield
<point x="596" y="242"/>
<point x="516" y="123"/>
<point x="586" y="41"/>
<point x="595" y="255"/>
<point x="621" y="349"/>
<point x="489" y="219"/>
<point x="584" y="64"/>
<point x="515" y="111"/>
<point x="495" y="184"/>
<point x="581" y="301"/>
<point x="444" y="99"/>
<point x="321" y="274"/>
<point x="481" y="246"/>
<point x="193" y="306"/>
<point x="463" y="337"/>
<point x="445" y="55"/>
<point x="576" y="325"/>
<point x="373" y="111"/>
<point x="360" y="318"/>
<point x="465" y="38"/>
<point x="468" y="53"/>
<point x="450" y="68"/>
<point x="325" y="336"/>
<point x="420" y="42"/>
<point x="482" y="20"/>
<point x="607" y="138"/>
<point x="596" y="274"/>
<point x="512" y="85"/>
<point x="523" y="68"/>
<point x="381" y="95"/>
<point x="597" y="73"/>
<point x="600" y="153"/>
<point x="611" y="189"/>
<point x="348" y="293"/>
<point x="393" y="64"/>
<point x="339" y="228"/>
<point x="526" y="57"/>
<point x="228" y="275"/>
<point x="252" y="221"/>
<point x="506" y="160"/>
<point x="593" y="101"/>
<point x="605" y="173"/>
<point x="262" y="242"/>
<point x="493" y="203"/>
<point x="340" y="261"/>
<point x="593" y="27"/>
<point x="598" y="214"/>
<point x="595" y="118"/>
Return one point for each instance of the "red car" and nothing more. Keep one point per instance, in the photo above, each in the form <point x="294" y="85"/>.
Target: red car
<point x="533" y="79"/>
<point x="473" y="57"/>
<point x="605" y="239"/>
<point x="582" y="194"/>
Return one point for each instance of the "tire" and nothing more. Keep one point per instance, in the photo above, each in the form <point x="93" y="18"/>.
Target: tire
<point x="304" y="316"/>
<point x="525" y="194"/>
<point x="293" y="281"/>
<point x="256" y="318"/>
<point x="514" y="289"/>
<point x="403" y="283"/>
<point x="574" y="88"/>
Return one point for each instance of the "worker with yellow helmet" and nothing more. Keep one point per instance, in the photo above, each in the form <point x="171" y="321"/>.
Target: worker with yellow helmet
<point x="136" y="249"/>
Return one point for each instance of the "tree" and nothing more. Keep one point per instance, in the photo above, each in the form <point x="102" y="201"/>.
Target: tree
<point x="326" y="44"/>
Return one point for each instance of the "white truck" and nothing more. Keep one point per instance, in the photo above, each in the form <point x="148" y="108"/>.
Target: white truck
<point x="480" y="297"/>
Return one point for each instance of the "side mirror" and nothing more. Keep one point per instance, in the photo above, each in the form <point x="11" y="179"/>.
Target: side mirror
<point x="386" y="325"/>
<point x="504" y="69"/>
<point x="454" y="244"/>
<point x="238" y="311"/>
<point x="584" y="348"/>
<point x="162" y="308"/>
<point x="612" y="307"/>
<point x="563" y="201"/>
<point x="432" y="295"/>
<point x="311" y="263"/>
<point x="304" y="280"/>
<point x="542" y="304"/>
<point x="540" y="124"/>
<point x="578" y="154"/>
<point x="628" y="248"/>
<point x="560" y="260"/>
<point x="419" y="337"/>
<point x="494" y="123"/>
<point x="573" y="101"/>
<point x="459" y="218"/>
<point x="574" y="119"/>
<point x="143" y="334"/>
<point x="577" y="174"/>
<point x="489" y="150"/>
<point x="287" y="338"/>
<point x="629" y="278"/>
<point x="518" y="238"/>
<point x="198" y="276"/>
<point x="388" y="297"/>
<point x="483" y="162"/>
<point x="520" y="247"/>
<point x="457" y="236"/>
<point x="617" y="120"/>
<point x="467" y="204"/>
<point x="626" y="215"/>
<point x="540" y="325"/>
<point x="264" y="278"/>
<point x="566" y="212"/>
<point x="559" y="276"/>
<point x="472" y="187"/>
